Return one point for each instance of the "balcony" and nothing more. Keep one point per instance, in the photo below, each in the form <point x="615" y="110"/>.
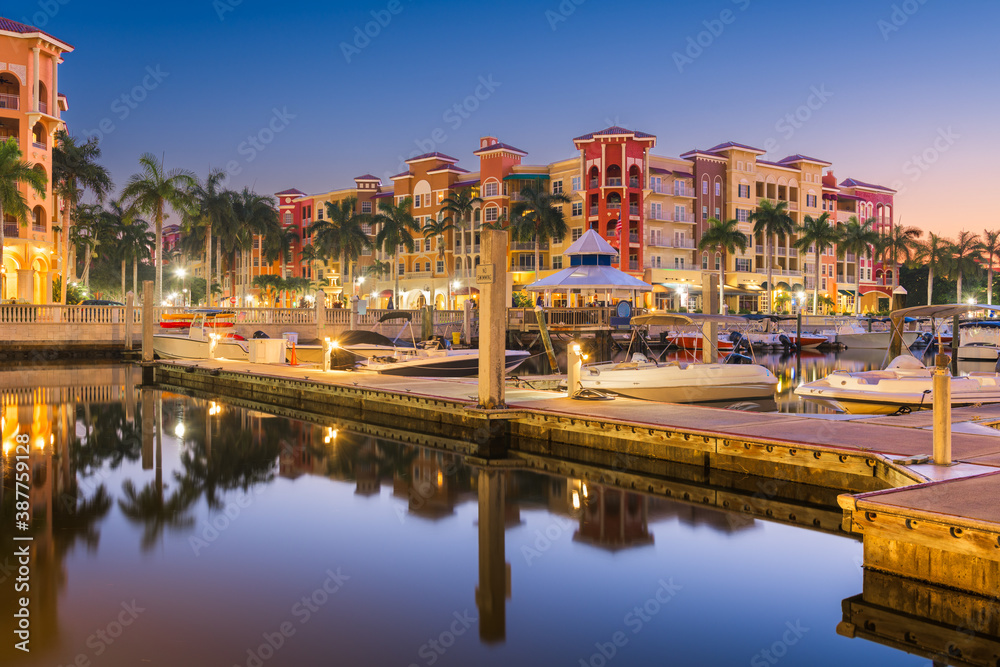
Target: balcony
<point x="528" y="246"/>
<point x="633" y="181"/>
<point x="850" y="257"/>
<point x="657" y="242"/>
<point x="594" y="183"/>
<point x="633" y="237"/>
<point x="522" y="268"/>
<point x="781" y="252"/>
<point x="10" y="102"/>
<point x="43" y="107"/>
<point x="5" y="137"/>
<point x="655" y="214"/>
<point x="793" y="252"/>
<point x="11" y="230"/>
<point x="593" y="210"/>
<point x="658" y="189"/>
<point x="759" y="249"/>
<point x="683" y="192"/>
<point x="687" y="244"/>
<point x="614" y="205"/>
<point x="633" y="209"/>
<point x="614" y="181"/>
<point x="682" y="217"/>
<point x="36" y="227"/>
<point x="633" y="265"/>
<point x="40" y="146"/>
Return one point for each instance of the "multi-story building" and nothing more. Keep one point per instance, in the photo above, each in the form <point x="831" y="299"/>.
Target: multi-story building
<point x="31" y="114"/>
<point x="652" y="208"/>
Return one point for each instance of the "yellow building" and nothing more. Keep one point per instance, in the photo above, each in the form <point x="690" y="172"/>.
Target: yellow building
<point x="30" y="114"/>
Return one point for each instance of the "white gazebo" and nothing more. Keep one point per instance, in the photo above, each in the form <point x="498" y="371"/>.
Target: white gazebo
<point x="590" y="270"/>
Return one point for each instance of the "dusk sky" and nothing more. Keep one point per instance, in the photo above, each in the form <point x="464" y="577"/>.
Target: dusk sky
<point x="903" y="94"/>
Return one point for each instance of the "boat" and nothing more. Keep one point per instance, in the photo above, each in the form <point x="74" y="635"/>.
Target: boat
<point x="431" y="360"/>
<point x="854" y="335"/>
<point x="213" y="318"/>
<point x="644" y="377"/>
<point x="979" y="341"/>
<point x="905" y="383"/>
<point x="197" y="343"/>
<point x="688" y="340"/>
<point x="359" y="345"/>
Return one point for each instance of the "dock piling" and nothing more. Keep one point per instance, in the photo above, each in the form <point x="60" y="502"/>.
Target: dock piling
<point x="710" y="345"/>
<point x="147" y="332"/>
<point x="490" y="275"/>
<point x="543" y="332"/>
<point x="129" y="319"/>
<point x="941" y="388"/>
<point x="574" y="368"/>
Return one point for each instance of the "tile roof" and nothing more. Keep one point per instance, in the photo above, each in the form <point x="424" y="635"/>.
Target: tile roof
<point x="464" y="184"/>
<point x="658" y="170"/>
<point x="683" y="174"/>
<point x="499" y="147"/>
<point x="401" y="174"/>
<point x="427" y="156"/>
<point x="698" y="151"/>
<point x="293" y="191"/>
<point x="368" y="177"/>
<point x="445" y="166"/>
<point x="23" y="29"/>
<point x="773" y="164"/>
<point x="383" y="195"/>
<point x="732" y="144"/>
<point x="854" y="183"/>
<point x="613" y="130"/>
<point x="798" y="157"/>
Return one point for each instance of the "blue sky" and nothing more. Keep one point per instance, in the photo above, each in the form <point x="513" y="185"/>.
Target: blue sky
<point x="867" y="85"/>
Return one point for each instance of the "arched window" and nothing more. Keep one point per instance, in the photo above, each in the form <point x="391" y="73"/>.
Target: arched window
<point x="614" y="200"/>
<point x="634" y="177"/>
<point x="614" y="175"/>
<point x="38" y="219"/>
<point x="594" y="177"/>
<point x="718" y="261"/>
<point x="491" y="188"/>
<point x="288" y="217"/>
<point x="38" y="136"/>
<point x="704" y="261"/>
<point x="10" y="91"/>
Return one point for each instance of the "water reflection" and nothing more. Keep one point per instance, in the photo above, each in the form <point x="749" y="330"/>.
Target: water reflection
<point x="542" y="557"/>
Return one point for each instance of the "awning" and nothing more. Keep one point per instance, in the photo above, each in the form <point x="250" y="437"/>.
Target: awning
<point x="846" y="292"/>
<point x="385" y="294"/>
<point x="751" y="287"/>
<point x="944" y="310"/>
<point x="527" y="177"/>
<point x="674" y="319"/>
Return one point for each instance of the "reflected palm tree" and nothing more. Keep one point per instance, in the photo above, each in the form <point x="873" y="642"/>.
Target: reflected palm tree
<point x="155" y="513"/>
<point x="76" y="517"/>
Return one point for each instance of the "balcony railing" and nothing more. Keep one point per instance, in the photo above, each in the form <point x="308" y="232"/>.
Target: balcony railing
<point x="529" y="246"/>
<point x="528" y="267"/>
<point x="614" y="205"/>
<point x="683" y="192"/>
<point x="850" y="257"/>
<point x="614" y="181"/>
<point x="687" y="244"/>
<point x="759" y="249"/>
<point x="781" y="252"/>
<point x="43" y="106"/>
<point x="633" y="266"/>
<point x="40" y="146"/>
<point x="10" y="102"/>
<point x="5" y="137"/>
<point x="656" y="215"/>
<point x="633" y="238"/>
<point x="658" y="242"/>
<point x="793" y="252"/>
<point x="593" y="210"/>
<point x="633" y="182"/>
<point x="594" y="182"/>
<point x="633" y="209"/>
<point x="11" y="230"/>
<point x="36" y="227"/>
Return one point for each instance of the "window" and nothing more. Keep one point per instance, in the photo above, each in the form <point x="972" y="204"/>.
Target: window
<point x="416" y="201"/>
<point x="492" y="214"/>
<point x="680" y="215"/>
<point x="718" y="261"/>
<point x="718" y="189"/>
<point x="576" y="233"/>
<point x="557" y="187"/>
<point x="577" y="208"/>
<point x="401" y="269"/>
<point x="440" y="266"/>
<point x="823" y="283"/>
<point x="678" y="262"/>
<point x="256" y="261"/>
<point x="256" y="242"/>
<point x="739" y="165"/>
<point x="576" y="182"/>
<point x="704" y="212"/>
<point x="366" y="252"/>
<point x="704" y="186"/>
<point x="811" y="200"/>
<point x="744" y="191"/>
<point x="656" y="211"/>
<point x="655" y="184"/>
<point x="704" y="261"/>
<point x="557" y="262"/>
<point x="427" y="267"/>
<point x="366" y="207"/>
<point x="718" y="213"/>
<point x="288" y="217"/>
<point x="491" y="189"/>
<point x="744" y="265"/>
<point x="743" y="214"/>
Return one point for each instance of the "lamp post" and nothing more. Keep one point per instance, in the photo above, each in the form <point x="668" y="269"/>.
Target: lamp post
<point x="180" y="272"/>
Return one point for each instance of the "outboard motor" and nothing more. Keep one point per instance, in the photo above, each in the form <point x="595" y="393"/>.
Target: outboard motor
<point x="739" y="341"/>
<point x="786" y="342"/>
<point x="736" y="358"/>
<point x="259" y="334"/>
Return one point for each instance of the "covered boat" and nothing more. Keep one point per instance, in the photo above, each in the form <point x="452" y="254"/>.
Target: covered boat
<point x="644" y="377"/>
<point x="202" y="342"/>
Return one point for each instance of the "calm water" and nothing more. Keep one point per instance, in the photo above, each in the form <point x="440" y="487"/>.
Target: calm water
<point x="232" y="537"/>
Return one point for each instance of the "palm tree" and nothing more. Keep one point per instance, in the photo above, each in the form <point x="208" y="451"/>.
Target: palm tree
<point x="965" y="250"/>
<point x="859" y="238"/>
<point x="120" y="223"/>
<point x="94" y="227"/>
<point x="135" y="243"/>
<point x="212" y="205"/>
<point x="898" y="247"/>
<point x="990" y="246"/>
<point x="771" y="220"/>
<point x="13" y="172"/>
<point x="253" y="215"/>
<point x="819" y="235"/>
<point x="150" y="191"/>
<point x="538" y="217"/>
<point x="936" y="254"/>
<point x="438" y="228"/>
<point x="396" y="228"/>
<point x="460" y="206"/>
<point x="342" y="235"/>
<point x="74" y="169"/>
<point x="727" y="238"/>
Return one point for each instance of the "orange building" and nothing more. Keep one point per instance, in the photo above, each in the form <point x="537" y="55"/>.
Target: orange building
<point x="30" y="114"/>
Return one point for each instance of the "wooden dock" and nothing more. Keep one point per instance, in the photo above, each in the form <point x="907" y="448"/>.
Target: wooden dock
<point x="938" y="525"/>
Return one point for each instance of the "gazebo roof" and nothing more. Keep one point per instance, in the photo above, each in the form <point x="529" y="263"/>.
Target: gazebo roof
<point x="590" y="243"/>
<point x="590" y="277"/>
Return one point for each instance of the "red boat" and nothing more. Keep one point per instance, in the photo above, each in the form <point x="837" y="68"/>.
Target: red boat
<point x="693" y="341"/>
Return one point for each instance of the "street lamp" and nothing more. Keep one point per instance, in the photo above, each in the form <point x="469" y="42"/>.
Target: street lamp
<point x="180" y="272"/>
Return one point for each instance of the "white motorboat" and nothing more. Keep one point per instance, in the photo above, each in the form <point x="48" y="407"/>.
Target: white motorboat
<point x="855" y="336"/>
<point x="358" y="345"/>
<point x="979" y="341"/>
<point x="645" y="378"/>
<point x="199" y="342"/>
<point x="905" y="382"/>
<point x="426" y="361"/>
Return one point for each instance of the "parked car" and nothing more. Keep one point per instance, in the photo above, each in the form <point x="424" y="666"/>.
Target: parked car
<point x="101" y="302"/>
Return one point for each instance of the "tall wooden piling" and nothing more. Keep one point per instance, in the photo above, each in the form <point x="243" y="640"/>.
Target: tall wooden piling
<point x="147" y="332"/>
<point x="543" y="331"/>
<point x="129" y="319"/>
<point x="494" y="572"/>
<point x="493" y="301"/>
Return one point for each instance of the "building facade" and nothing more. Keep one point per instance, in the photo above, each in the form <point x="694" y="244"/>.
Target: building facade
<point x="31" y="110"/>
